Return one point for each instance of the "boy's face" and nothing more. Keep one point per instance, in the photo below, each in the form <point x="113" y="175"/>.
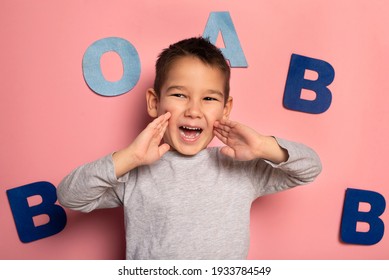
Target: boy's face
<point x="194" y="95"/>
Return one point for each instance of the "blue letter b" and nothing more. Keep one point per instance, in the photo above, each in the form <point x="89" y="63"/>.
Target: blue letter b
<point x="351" y="216"/>
<point x="23" y="214"/>
<point x="296" y="82"/>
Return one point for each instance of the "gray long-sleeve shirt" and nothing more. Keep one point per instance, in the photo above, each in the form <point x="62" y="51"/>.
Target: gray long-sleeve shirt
<point x="187" y="207"/>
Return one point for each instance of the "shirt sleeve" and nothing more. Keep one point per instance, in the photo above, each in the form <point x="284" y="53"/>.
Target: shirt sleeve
<point x="92" y="186"/>
<point x="302" y="167"/>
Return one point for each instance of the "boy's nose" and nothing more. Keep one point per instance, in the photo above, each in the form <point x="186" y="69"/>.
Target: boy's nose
<point x="193" y="110"/>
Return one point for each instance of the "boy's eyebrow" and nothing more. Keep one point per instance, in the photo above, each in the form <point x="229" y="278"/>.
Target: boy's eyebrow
<point x="175" y="87"/>
<point x="221" y="94"/>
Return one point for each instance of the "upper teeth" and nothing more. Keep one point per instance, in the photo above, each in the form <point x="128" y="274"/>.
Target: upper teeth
<point x="191" y="128"/>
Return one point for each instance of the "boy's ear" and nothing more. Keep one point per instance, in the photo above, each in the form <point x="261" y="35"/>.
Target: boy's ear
<point x="228" y="107"/>
<point x="152" y="103"/>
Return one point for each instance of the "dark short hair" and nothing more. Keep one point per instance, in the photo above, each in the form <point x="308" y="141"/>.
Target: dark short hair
<point x="198" y="47"/>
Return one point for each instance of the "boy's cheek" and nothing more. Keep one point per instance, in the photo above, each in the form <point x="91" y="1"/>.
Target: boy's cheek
<point x="166" y="139"/>
<point x="164" y="108"/>
<point x="162" y="111"/>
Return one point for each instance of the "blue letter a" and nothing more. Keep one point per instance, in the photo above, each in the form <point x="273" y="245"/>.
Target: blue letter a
<point x="23" y="213"/>
<point x="222" y="22"/>
<point x="296" y="82"/>
<point x="351" y="216"/>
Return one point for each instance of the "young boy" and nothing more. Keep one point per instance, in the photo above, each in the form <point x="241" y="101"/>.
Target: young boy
<point x="181" y="199"/>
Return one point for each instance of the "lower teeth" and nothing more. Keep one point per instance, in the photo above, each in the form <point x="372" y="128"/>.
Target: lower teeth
<point x="190" y="135"/>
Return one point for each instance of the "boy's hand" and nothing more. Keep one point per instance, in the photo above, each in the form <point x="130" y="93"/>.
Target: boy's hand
<point x="145" y="149"/>
<point x="244" y="143"/>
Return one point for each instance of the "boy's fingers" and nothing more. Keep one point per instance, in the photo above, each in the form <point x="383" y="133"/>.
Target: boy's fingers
<point x="166" y="116"/>
<point x="161" y="119"/>
<point x="228" y="151"/>
<point x="220" y="136"/>
<point x="222" y="132"/>
<point x="225" y="125"/>
<point x="163" y="129"/>
<point x="160" y="123"/>
<point x="163" y="149"/>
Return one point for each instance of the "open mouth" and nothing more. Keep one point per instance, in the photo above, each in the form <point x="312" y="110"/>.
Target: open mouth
<point x="190" y="133"/>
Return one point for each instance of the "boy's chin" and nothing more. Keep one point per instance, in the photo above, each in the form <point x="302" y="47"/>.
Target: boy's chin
<point x="187" y="150"/>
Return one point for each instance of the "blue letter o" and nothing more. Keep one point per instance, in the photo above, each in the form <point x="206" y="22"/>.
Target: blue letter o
<point x="92" y="69"/>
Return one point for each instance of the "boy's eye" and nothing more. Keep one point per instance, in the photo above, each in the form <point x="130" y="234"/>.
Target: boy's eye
<point x="180" y="95"/>
<point x="210" y="99"/>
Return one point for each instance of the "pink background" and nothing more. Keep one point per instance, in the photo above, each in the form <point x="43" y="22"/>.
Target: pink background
<point x="52" y="122"/>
